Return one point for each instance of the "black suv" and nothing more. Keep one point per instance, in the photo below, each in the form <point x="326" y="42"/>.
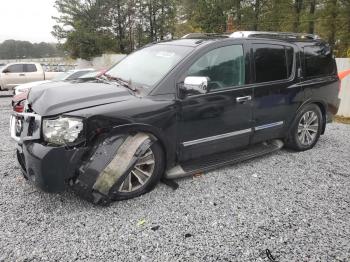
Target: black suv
<point x="177" y="108"/>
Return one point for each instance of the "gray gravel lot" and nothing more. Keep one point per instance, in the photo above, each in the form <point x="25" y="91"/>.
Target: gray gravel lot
<point x="297" y="205"/>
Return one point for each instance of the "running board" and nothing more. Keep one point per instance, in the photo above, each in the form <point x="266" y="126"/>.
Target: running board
<point x="222" y="159"/>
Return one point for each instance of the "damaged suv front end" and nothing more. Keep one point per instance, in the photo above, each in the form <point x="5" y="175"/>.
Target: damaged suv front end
<point x="96" y="135"/>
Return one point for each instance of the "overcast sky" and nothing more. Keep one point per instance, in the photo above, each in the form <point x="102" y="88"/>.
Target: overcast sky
<point x="27" y="20"/>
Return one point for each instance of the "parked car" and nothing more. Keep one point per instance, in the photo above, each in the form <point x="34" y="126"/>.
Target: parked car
<point x="177" y="108"/>
<point x="14" y="74"/>
<point x="21" y="91"/>
<point x="64" y="76"/>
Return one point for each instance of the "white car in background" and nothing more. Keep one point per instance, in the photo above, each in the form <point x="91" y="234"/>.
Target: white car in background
<point x="66" y="76"/>
<point x="14" y="74"/>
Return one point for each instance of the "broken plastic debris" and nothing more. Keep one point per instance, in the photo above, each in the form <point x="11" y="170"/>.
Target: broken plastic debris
<point x="155" y="228"/>
<point x="141" y="222"/>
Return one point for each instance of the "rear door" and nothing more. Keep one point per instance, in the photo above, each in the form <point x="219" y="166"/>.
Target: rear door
<point x="33" y="73"/>
<point x="220" y="120"/>
<point x="277" y="91"/>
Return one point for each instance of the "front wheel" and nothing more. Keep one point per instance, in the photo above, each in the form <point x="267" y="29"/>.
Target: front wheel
<point x="146" y="173"/>
<point x="306" y="129"/>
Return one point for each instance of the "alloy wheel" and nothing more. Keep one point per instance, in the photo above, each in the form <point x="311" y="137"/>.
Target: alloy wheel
<point x="140" y="174"/>
<point x="308" y="128"/>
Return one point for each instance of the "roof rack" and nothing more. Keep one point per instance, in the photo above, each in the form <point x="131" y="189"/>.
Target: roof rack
<point x="204" y="36"/>
<point x="277" y="35"/>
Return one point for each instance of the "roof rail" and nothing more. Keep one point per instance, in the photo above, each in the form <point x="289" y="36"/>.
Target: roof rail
<point x="277" y="35"/>
<point x="204" y="36"/>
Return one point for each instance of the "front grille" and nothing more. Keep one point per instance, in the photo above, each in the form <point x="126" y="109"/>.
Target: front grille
<point x="30" y="129"/>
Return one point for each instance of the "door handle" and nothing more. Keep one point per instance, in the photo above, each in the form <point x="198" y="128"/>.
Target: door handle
<point x="243" y="99"/>
<point x="22" y="74"/>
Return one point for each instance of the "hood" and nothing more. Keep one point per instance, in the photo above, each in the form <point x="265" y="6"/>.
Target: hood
<point x="26" y="86"/>
<point x="62" y="97"/>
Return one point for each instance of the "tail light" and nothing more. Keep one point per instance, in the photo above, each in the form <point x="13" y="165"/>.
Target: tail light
<point x="19" y="106"/>
<point x="18" y="102"/>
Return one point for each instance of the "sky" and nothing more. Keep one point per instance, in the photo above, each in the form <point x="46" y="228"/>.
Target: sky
<point x="28" y="20"/>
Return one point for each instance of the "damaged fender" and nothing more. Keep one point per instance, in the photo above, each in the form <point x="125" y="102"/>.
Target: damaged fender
<point x="109" y="165"/>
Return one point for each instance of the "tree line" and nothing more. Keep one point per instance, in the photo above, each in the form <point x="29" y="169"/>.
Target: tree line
<point x="13" y="49"/>
<point x="88" y="28"/>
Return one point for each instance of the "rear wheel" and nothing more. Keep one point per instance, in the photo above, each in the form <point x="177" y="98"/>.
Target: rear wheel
<point x="306" y="129"/>
<point x="144" y="176"/>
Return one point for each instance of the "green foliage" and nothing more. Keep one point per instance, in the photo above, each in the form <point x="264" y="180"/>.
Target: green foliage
<point x="13" y="49"/>
<point x="91" y="27"/>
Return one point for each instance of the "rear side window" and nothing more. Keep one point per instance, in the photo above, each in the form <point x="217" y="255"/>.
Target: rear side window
<point x="18" y="68"/>
<point x="272" y="62"/>
<point x="224" y="66"/>
<point x="318" y="61"/>
<point x="30" y="68"/>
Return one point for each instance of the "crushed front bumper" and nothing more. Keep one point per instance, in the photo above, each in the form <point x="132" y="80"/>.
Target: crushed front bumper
<point x="49" y="168"/>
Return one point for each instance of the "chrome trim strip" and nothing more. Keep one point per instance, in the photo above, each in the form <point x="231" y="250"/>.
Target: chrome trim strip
<point x="269" y="125"/>
<point x="212" y="138"/>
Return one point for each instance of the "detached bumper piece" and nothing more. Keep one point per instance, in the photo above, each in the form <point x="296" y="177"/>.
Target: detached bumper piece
<point x="102" y="175"/>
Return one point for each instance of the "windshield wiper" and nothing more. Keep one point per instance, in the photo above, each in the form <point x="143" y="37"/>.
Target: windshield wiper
<point x="121" y="82"/>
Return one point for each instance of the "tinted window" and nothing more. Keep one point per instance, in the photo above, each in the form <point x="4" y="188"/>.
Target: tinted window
<point x="224" y="66"/>
<point x="290" y="59"/>
<point x="318" y="61"/>
<point x="30" y="68"/>
<point x="18" y="68"/>
<point x="271" y="63"/>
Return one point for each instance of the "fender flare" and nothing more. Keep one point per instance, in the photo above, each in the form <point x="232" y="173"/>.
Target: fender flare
<point x="111" y="159"/>
<point x="320" y="103"/>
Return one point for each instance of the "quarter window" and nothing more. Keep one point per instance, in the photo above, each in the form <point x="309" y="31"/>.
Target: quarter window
<point x="224" y="66"/>
<point x="318" y="61"/>
<point x="272" y="62"/>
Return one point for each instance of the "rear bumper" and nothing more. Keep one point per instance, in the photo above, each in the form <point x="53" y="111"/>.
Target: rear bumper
<point x="49" y="168"/>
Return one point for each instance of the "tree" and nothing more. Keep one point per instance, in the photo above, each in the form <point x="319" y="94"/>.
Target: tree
<point x="83" y="27"/>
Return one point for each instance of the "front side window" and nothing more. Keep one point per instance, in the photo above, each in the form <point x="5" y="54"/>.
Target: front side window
<point x="272" y="62"/>
<point x="149" y="65"/>
<point x="224" y="66"/>
<point x="18" y="68"/>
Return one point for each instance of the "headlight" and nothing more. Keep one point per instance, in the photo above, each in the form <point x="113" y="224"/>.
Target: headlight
<point x="62" y="130"/>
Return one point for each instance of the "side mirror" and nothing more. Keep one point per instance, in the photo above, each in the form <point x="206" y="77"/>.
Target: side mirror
<point x="6" y="71"/>
<point x="196" y="84"/>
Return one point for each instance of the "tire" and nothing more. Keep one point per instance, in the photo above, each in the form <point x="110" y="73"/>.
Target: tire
<point x="306" y="129"/>
<point x="157" y="173"/>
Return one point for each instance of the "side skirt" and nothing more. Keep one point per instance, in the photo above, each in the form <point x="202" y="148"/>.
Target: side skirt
<point x="215" y="161"/>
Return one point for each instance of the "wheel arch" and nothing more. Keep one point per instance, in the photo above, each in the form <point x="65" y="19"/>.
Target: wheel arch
<point x="167" y="147"/>
<point x="322" y="106"/>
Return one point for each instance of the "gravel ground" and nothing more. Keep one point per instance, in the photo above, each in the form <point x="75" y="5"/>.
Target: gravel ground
<point x="297" y="205"/>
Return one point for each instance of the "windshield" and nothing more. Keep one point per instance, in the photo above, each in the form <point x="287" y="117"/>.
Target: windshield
<point x="149" y="65"/>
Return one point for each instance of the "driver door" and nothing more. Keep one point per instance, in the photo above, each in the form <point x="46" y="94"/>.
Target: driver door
<point x="14" y="75"/>
<point x="221" y="119"/>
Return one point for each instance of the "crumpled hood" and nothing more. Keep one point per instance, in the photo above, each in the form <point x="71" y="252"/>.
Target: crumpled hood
<point x="62" y="97"/>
